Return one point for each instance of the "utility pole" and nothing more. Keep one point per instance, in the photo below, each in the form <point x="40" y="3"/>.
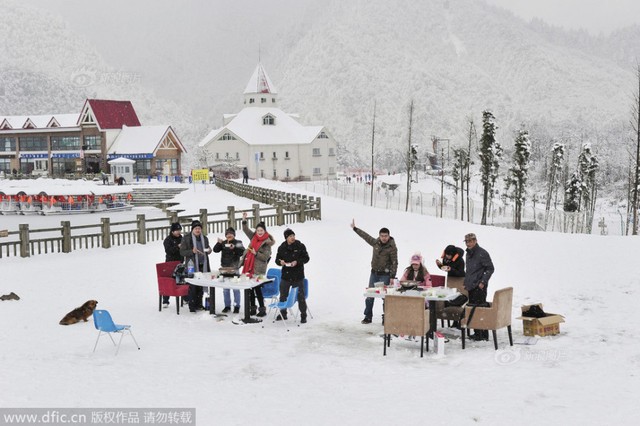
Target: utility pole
<point x="409" y="159"/>
<point x="373" y="134"/>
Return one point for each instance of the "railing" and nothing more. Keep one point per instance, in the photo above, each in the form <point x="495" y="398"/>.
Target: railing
<point x="286" y="208"/>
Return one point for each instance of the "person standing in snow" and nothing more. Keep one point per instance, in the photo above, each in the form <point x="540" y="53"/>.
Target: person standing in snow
<point x="292" y="255"/>
<point x="256" y="259"/>
<point x="452" y="261"/>
<point x="195" y="247"/>
<point x="476" y="280"/>
<point x="172" y="250"/>
<point x="245" y="175"/>
<point x="384" y="262"/>
<point x="232" y="251"/>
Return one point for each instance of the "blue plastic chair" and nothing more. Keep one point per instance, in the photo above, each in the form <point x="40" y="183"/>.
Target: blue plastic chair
<point x="287" y="305"/>
<point x="104" y="324"/>
<point x="272" y="289"/>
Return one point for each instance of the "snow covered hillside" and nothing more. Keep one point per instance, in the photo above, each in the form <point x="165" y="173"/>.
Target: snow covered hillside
<point x="331" y="370"/>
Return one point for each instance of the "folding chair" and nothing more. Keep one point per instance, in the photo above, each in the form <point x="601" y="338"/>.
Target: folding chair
<point x="288" y="305"/>
<point x="104" y="324"/>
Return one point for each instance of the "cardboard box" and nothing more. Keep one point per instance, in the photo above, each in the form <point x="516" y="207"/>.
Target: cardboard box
<point x="546" y="326"/>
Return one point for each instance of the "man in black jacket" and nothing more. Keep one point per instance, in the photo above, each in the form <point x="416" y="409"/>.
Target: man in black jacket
<point x="232" y="250"/>
<point x="195" y="247"/>
<point x="479" y="271"/>
<point x="292" y="255"/>
<point x="172" y="250"/>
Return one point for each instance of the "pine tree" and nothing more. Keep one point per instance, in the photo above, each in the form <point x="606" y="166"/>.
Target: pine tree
<point x="490" y="154"/>
<point x="572" y="193"/>
<point x="518" y="174"/>
<point x="588" y="166"/>
<point x="555" y="176"/>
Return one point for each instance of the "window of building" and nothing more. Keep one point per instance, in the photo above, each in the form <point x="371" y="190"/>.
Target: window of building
<point x="323" y="135"/>
<point x="262" y="155"/>
<point x="174" y="166"/>
<point x="316" y="171"/>
<point x="34" y="143"/>
<point x="261" y="173"/>
<point x="227" y="137"/>
<point x="93" y="142"/>
<point x="275" y="173"/>
<point x="142" y="167"/>
<point x="268" y="120"/>
<point x="251" y="100"/>
<point x="273" y="100"/>
<point x="217" y="155"/>
<point x="275" y="157"/>
<point x="332" y="171"/>
<point x="332" y="152"/>
<point x="226" y="155"/>
<point x="62" y="166"/>
<point x="316" y="152"/>
<point x="65" y="143"/>
<point x="7" y="144"/>
<point x="263" y="100"/>
<point x="286" y="155"/>
<point x="160" y="166"/>
<point x="287" y="173"/>
<point x="237" y="155"/>
<point x="5" y="165"/>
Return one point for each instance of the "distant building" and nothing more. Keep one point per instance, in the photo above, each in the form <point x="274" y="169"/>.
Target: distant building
<point x="63" y="144"/>
<point x="268" y="141"/>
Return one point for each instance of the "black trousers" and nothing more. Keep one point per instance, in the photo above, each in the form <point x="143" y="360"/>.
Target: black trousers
<point x="478" y="296"/>
<point x="285" y="286"/>
<point x="256" y="293"/>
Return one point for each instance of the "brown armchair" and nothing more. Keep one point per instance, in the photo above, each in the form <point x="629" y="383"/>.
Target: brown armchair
<point x="405" y="315"/>
<point x="452" y="313"/>
<point x="498" y="315"/>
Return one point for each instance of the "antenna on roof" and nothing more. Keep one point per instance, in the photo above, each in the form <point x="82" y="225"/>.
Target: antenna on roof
<point x="258" y="52"/>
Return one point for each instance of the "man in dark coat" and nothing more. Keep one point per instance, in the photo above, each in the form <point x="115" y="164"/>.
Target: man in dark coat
<point x="195" y="247"/>
<point x="452" y="261"/>
<point x="479" y="271"/>
<point x="292" y="255"/>
<point x="245" y="175"/>
<point x="384" y="262"/>
<point x="172" y="250"/>
<point x="232" y="250"/>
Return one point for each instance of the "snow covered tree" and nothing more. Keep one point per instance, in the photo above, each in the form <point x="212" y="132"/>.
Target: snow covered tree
<point x="635" y="125"/>
<point x="572" y="193"/>
<point x="555" y="174"/>
<point x="459" y="174"/>
<point x="490" y="154"/>
<point x="588" y="166"/>
<point x="518" y="174"/>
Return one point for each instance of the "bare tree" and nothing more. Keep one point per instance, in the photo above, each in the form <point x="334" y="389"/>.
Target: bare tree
<point x="635" y="125"/>
<point x="373" y="135"/>
<point x="409" y="158"/>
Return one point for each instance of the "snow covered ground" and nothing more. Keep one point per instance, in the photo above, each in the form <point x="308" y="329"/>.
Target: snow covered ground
<point x="331" y="370"/>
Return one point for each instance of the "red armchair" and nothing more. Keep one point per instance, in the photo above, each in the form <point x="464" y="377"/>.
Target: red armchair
<point x="167" y="284"/>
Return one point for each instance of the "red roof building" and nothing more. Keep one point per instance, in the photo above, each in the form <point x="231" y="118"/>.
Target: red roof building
<point x="110" y="114"/>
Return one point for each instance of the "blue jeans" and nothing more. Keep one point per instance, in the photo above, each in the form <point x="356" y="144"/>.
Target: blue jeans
<point x="368" y="304"/>
<point x="227" y="297"/>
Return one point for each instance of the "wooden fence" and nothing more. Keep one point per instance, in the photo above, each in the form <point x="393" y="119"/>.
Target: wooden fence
<point x="286" y="208"/>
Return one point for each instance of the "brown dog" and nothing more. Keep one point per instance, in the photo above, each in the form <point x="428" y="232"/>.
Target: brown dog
<point x="81" y="313"/>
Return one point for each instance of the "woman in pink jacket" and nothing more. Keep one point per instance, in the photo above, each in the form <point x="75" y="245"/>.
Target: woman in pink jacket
<point x="416" y="271"/>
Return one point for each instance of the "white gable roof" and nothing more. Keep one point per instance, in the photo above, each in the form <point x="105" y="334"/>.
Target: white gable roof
<point x="247" y="125"/>
<point x="260" y="82"/>
<point x="41" y="121"/>
<point x="140" y="140"/>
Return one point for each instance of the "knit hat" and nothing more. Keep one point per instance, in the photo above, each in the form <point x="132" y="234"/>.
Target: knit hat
<point x="450" y="250"/>
<point x="196" y="224"/>
<point x="288" y="232"/>
<point x="176" y="227"/>
<point x="261" y="225"/>
<point x="230" y="230"/>
<point x="416" y="259"/>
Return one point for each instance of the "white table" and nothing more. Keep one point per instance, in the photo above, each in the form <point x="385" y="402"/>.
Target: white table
<point x="433" y="322"/>
<point x="230" y="283"/>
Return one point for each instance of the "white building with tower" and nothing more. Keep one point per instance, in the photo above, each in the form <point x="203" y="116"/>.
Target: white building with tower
<point x="271" y="143"/>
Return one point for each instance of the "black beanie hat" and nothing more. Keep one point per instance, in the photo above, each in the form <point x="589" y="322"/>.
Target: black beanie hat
<point x="261" y="225"/>
<point x="176" y="227"/>
<point x="230" y="230"/>
<point x="288" y="232"/>
<point x="195" y="224"/>
<point x="450" y="250"/>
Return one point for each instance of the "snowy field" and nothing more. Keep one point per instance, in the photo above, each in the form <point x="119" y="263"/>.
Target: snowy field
<point x="331" y="370"/>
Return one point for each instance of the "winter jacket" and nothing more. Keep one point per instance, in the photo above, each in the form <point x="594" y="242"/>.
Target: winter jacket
<point x="385" y="256"/>
<point x="230" y="256"/>
<point x="479" y="268"/>
<point x="290" y="252"/>
<point x="264" y="252"/>
<point x="172" y="248"/>
<point x="186" y="249"/>
<point x="456" y="263"/>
